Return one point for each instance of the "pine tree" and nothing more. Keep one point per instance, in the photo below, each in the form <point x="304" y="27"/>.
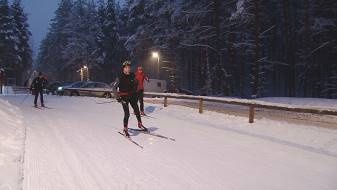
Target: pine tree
<point x="50" y="58"/>
<point x="7" y="38"/>
<point x="22" y="36"/>
<point x="108" y="38"/>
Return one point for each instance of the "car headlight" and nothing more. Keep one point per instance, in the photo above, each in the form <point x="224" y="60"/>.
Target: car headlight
<point x="60" y="88"/>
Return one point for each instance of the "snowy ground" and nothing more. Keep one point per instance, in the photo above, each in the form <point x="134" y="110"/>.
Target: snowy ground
<point x="308" y="102"/>
<point x="11" y="146"/>
<point x="75" y="145"/>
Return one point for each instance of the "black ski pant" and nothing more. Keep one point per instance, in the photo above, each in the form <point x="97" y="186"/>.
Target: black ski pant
<point x="132" y="100"/>
<point x="141" y="100"/>
<point x="37" y="93"/>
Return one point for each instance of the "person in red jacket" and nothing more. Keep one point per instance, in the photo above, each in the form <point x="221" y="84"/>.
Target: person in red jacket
<point x="141" y="77"/>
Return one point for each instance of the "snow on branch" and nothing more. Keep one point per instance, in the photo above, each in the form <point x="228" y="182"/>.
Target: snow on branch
<point x="201" y="45"/>
<point x="266" y="31"/>
<point x="199" y="12"/>
<point x="320" y="47"/>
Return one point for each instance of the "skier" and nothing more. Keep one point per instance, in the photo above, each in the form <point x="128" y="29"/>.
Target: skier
<point x="37" y="86"/>
<point x="127" y="94"/>
<point x="140" y="76"/>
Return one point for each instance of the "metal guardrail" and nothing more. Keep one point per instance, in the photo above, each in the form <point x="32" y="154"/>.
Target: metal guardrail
<point x="251" y="104"/>
<point x="89" y="89"/>
<point x="15" y="90"/>
<point x="20" y="88"/>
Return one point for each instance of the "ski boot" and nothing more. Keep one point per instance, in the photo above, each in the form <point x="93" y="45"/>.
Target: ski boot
<point x="126" y="133"/>
<point x="141" y="126"/>
<point x="142" y="113"/>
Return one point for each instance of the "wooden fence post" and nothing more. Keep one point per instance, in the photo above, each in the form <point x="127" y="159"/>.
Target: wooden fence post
<point x="165" y="101"/>
<point x="201" y="105"/>
<point x="251" y="113"/>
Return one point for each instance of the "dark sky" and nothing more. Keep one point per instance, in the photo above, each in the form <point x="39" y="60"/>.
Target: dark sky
<point x="40" y="12"/>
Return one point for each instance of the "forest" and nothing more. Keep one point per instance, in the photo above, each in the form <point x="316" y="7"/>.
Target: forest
<point x="239" y="48"/>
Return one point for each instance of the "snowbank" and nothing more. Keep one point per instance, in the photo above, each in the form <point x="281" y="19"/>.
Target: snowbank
<point x="319" y="103"/>
<point x="311" y="138"/>
<point x="11" y="146"/>
<point x="6" y="90"/>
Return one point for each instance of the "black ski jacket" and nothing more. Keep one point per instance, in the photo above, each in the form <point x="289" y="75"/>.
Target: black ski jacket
<point x="38" y="83"/>
<point x="127" y="85"/>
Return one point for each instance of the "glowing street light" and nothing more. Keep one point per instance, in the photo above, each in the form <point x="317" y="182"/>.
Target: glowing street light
<point x="86" y="68"/>
<point x="81" y="71"/>
<point x="156" y="55"/>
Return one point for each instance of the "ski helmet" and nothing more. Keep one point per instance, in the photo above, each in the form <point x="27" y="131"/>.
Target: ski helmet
<point x="126" y="63"/>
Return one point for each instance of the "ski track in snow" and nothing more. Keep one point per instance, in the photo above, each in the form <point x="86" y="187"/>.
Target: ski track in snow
<point x="75" y="145"/>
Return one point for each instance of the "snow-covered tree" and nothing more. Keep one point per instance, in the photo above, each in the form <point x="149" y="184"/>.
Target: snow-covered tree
<point x="50" y="59"/>
<point x="7" y="37"/>
<point x="22" y="36"/>
<point x="110" y="47"/>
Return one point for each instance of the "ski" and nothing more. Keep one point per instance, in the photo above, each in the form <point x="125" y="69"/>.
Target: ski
<point x="37" y="107"/>
<point x="144" y="117"/>
<point x="148" y="116"/>
<point x="46" y="107"/>
<point x="152" y="134"/>
<point x="131" y="140"/>
<point x="107" y="102"/>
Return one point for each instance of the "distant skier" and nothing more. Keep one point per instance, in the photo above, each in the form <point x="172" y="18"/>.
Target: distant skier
<point x="37" y="86"/>
<point x="141" y="77"/>
<point x="127" y="93"/>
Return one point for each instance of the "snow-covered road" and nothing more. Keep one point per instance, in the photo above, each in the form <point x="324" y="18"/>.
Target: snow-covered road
<point x="75" y="145"/>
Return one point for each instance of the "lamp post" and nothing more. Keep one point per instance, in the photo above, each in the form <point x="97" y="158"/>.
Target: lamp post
<point x="84" y="70"/>
<point x="87" y="71"/>
<point x="156" y="55"/>
<point x="81" y="73"/>
<point x="2" y="71"/>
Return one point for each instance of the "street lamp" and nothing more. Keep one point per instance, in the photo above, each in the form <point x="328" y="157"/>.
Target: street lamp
<point x="87" y="71"/>
<point x="156" y="55"/>
<point x="81" y="71"/>
<point x="2" y="71"/>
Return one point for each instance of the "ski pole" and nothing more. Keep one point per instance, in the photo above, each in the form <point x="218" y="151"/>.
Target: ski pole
<point x="24" y="99"/>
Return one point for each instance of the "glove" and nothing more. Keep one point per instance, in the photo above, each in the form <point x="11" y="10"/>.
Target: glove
<point x="119" y="99"/>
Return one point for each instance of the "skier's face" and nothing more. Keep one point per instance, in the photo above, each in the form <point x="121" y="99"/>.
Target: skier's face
<point x="140" y="70"/>
<point x="127" y="70"/>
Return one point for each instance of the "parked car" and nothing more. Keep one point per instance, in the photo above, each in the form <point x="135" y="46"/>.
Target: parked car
<point x="96" y="89"/>
<point x="52" y="88"/>
<point x="61" y="89"/>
